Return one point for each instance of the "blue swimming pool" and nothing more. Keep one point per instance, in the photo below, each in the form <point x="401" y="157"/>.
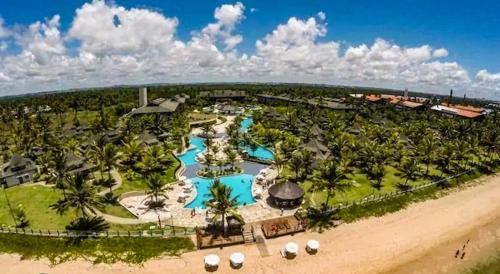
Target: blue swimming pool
<point x="189" y="157"/>
<point x="260" y="152"/>
<point x="241" y="186"/>
<point x="246" y="123"/>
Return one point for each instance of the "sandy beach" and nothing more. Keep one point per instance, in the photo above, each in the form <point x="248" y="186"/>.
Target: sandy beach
<point x="420" y="239"/>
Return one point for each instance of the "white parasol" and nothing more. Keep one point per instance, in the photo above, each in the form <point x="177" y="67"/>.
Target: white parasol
<point x="292" y="248"/>
<point x="312" y="245"/>
<point x="237" y="258"/>
<point x="212" y="260"/>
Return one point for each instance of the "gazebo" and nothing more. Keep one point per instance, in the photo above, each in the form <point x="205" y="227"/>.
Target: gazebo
<point x="286" y="195"/>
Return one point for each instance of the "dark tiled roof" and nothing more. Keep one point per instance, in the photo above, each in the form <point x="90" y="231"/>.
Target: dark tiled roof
<point x="159" y="105"/>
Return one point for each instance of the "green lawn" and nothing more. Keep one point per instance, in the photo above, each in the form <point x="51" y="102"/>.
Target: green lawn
<point x="35" y="201"/>
<point x="361" y="186"/>
<point x="117" y="210"/>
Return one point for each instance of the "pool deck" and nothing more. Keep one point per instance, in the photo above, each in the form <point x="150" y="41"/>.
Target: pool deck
<point x="176" y="213"/>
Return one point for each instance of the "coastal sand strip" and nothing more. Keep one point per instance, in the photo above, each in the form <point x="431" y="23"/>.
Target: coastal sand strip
<point x="374" y="245"/>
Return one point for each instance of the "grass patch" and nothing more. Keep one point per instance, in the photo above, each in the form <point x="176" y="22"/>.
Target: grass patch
<point x="103" y="250"/>
<point x="361" y="187"/>
<point x="36" y="201"/>
<point x="381" y="208"/>
<point x="118" y="211"/>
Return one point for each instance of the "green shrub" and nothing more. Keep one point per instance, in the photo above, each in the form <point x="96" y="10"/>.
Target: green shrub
<point x="102" y="250"/>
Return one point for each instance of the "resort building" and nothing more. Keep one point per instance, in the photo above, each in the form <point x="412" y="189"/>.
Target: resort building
<point x="160" y="106"/>
<point x="149" y="139"/>
<point x="78" y="165"/>
<point x="266" y="98"/>
<point x="228" y="109"/>
<point x="316" y="132"/>
<point x="223" y="95"/>
<point x="330" y="103"/>
<point x="271" y="114"/>
<point x="466" y="112"/>
<point x="320" y="152"/>
<point x="18" y="170"/>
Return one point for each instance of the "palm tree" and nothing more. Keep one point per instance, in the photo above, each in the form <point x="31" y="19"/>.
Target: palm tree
<point x="296" y="163"/>
<point x="428" y="148"/>
<point x="377" y="173"/>
<point x="330" y="177"/>
<point x="446" y="157"/>
<point x="410" y="169"/>
<point x="158" y="153"/>
<point x="110" y="161"/>
<point x="279" y="161"/>
<point x="97" y="153"/>
<point x="131" y="152"/>
<point x="209" y="159"/>
<point x="148" y="165"/>
<point x="222" y="204"/>
<point x="58" y="170"/>
<point x="156" y="185"/>
<point x="307" y="162"/>
<point x="81" y="196"/>
<point x="220" y="164"/>
<point x="231" y="157"/>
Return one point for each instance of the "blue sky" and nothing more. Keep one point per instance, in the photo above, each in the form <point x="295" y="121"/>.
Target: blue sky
<point x="468" y="30"/>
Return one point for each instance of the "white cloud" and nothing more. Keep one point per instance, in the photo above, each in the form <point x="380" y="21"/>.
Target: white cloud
<point x="134" y="46"/>
<point x="4" y="78"/>
<point x="252" y="10"/>
<point x="321" y="16"/>
<point x="484" y="79"/>
<point x="139" y="30"/>
<point x="440" y="53"/>
<point x="227" y="16"/>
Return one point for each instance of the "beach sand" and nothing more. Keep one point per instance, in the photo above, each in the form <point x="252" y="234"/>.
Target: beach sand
<point x="420" y="239"/>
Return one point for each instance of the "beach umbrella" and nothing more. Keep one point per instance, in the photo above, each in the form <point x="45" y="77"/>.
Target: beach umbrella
<point x="292" y="248"/>
<point x="312" y="245"/>
<point x="212" y="260"/>
<point x="188" y="181"/>
<point x="237" y="259"/>
<point x="182" y="178"/>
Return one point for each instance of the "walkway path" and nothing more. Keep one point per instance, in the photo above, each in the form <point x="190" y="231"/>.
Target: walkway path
<point x="118" y="180"/>
<point x="373" y="245"/>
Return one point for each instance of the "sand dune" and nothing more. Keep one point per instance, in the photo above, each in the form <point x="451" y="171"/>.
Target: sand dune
<point x="415" y="240"/>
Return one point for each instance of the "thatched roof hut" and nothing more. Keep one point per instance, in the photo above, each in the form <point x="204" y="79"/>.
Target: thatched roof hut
<point x="286" y="195"/>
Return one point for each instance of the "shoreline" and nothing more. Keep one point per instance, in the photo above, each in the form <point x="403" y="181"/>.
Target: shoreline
<point x="387" y="244"/>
